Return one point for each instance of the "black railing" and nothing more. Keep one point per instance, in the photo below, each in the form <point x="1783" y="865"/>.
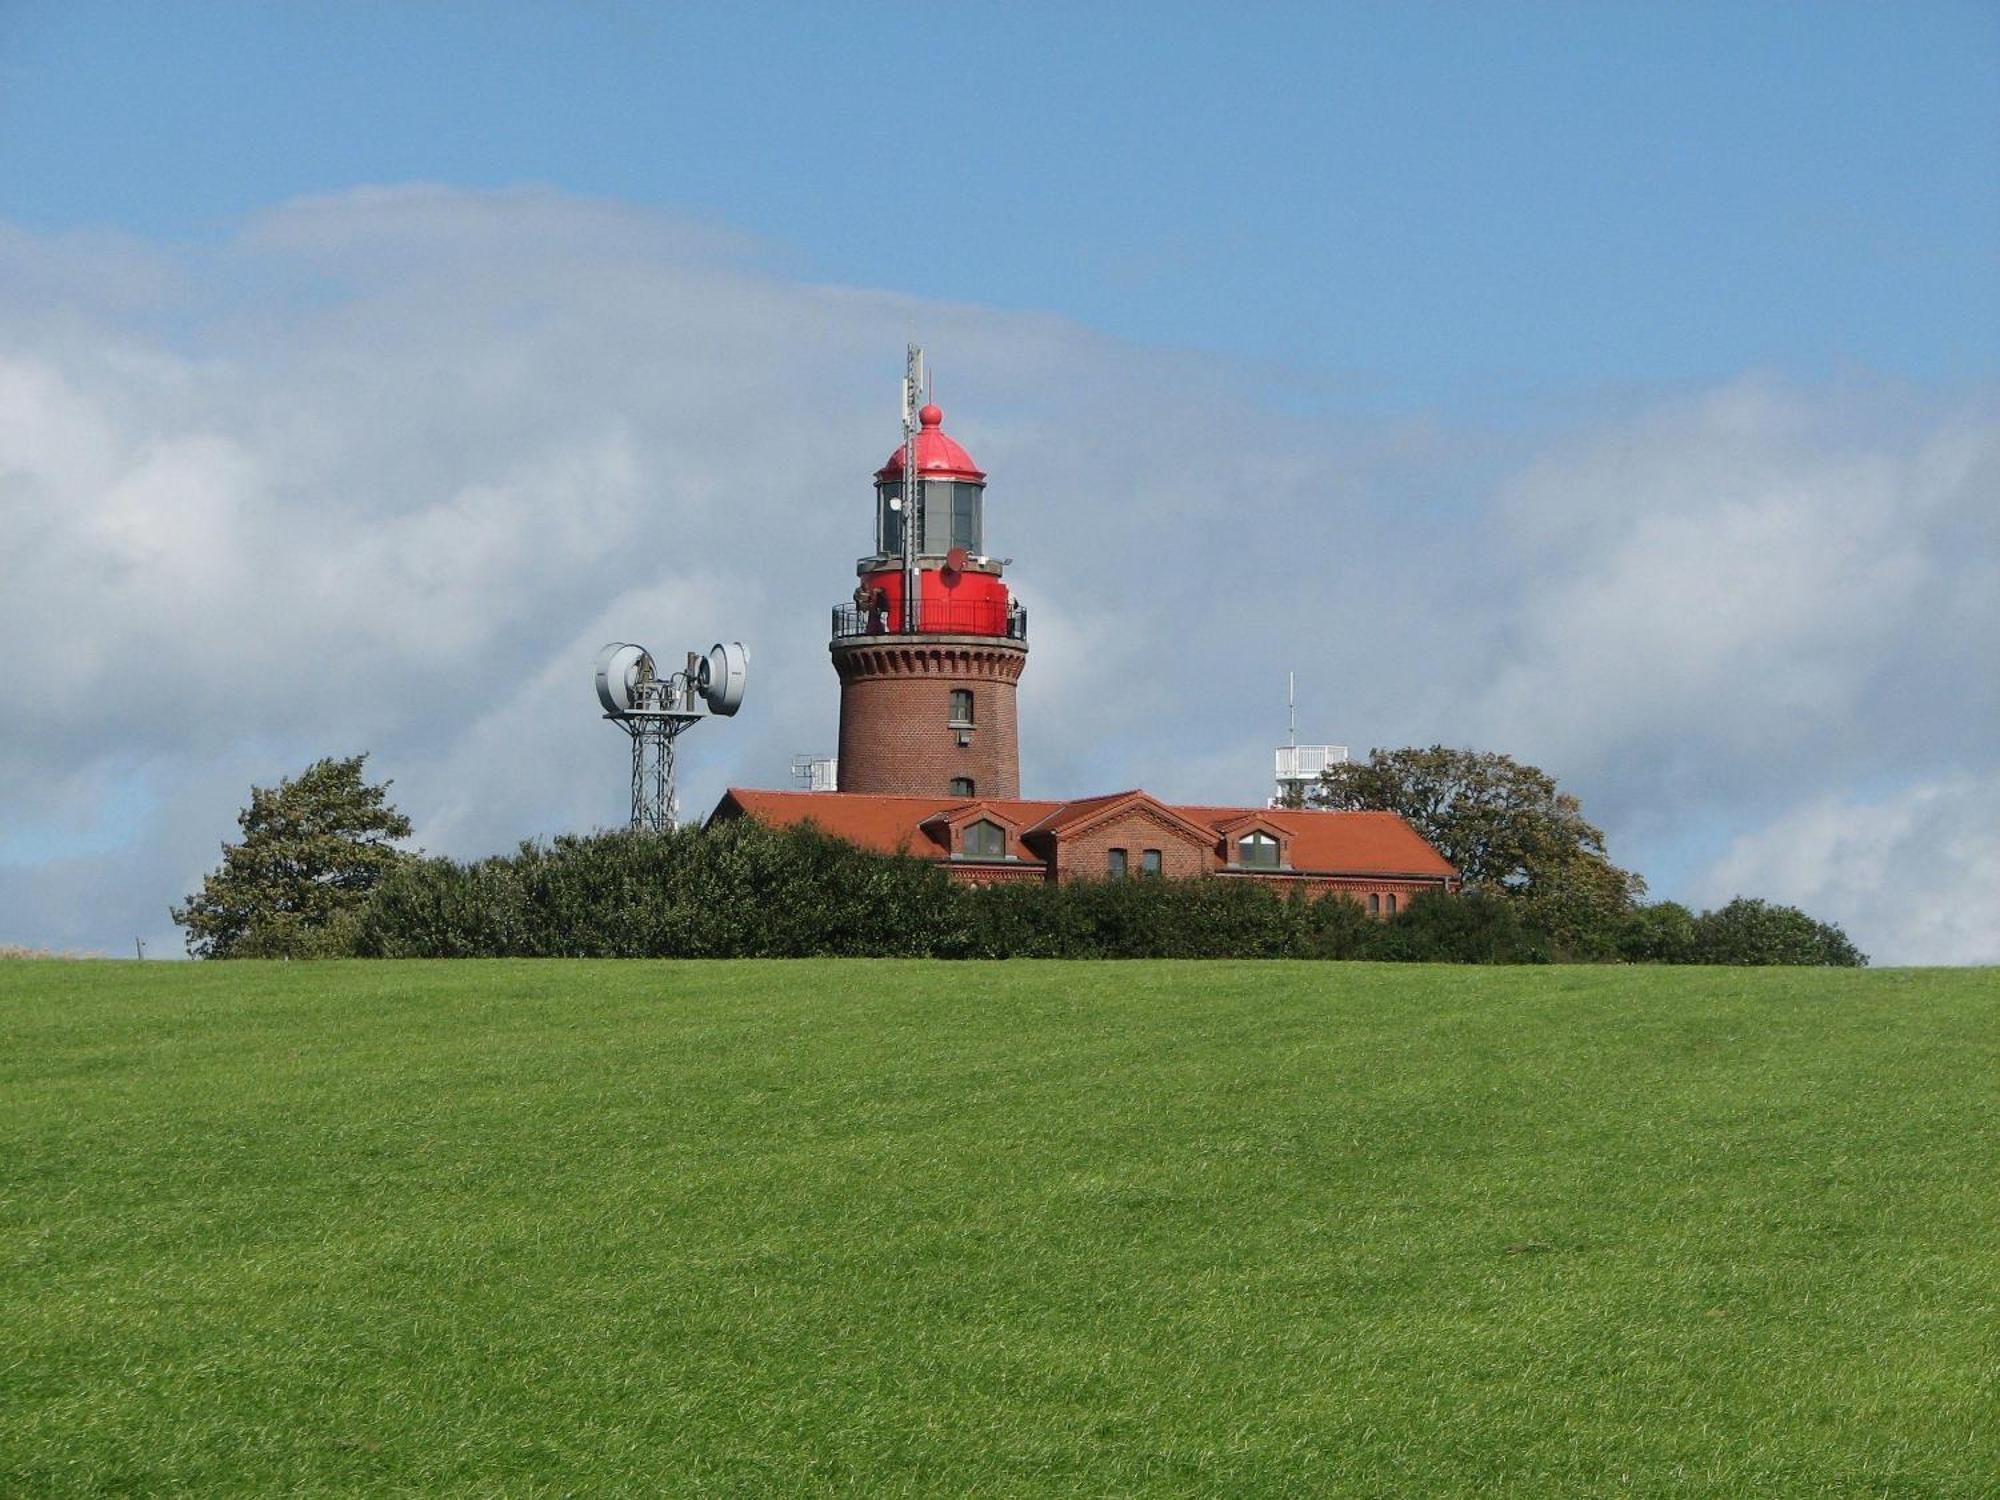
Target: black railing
<point x="935" y="617"/>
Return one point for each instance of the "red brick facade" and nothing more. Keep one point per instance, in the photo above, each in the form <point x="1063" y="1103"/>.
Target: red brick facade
<point x="1086" y="854"/>
<point x="897" y="731"/>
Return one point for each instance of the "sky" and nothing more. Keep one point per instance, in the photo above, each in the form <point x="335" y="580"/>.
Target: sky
<point x="1614" y="386"/>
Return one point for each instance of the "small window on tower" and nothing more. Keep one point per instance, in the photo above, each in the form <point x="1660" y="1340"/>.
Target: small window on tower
<point x="961" y="707"/>
<point x="1114" y="864"/>
<point x="892" y="520"/>
<point x="961" y="786"/>
<point x="1257" y="851"/>
<point x="988" y="840"/>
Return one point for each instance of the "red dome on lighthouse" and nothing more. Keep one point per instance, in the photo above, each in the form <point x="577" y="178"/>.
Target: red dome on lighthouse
<point x="936" y="454"/>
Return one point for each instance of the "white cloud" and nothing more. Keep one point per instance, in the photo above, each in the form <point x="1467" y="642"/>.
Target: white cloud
<point x="383" y="471"/>
<point x="1750" y="595"/>
<point x="1913" y="877"/>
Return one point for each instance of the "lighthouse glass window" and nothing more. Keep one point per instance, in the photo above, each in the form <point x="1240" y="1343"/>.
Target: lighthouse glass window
<point x="965" y="516"/>
<point x="892" y="520"/>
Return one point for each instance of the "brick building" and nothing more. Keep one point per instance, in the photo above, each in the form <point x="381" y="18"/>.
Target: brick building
<point x="929" y="653"/>
<point x="1374" y="857"/>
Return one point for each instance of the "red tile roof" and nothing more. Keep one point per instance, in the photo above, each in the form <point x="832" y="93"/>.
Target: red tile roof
<point x="1373" y="843"/>
<point x="1344" y="843"/>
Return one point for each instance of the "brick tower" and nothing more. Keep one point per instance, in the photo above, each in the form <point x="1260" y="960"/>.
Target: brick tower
<point x="927" y="692"/>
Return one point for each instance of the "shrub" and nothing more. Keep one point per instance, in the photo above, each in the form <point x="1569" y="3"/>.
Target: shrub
<point x="739" y="890"/>
<point x="1662" y="933"/>
<point x="1756" y="932"/>
<point x="1474" y="927"/>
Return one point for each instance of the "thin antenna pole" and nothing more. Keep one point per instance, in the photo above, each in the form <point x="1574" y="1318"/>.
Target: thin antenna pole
<point x="914" y="395"/>
<point x="1292" y="709"/>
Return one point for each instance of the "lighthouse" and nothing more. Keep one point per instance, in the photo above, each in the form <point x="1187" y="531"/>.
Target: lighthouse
<point x="931" y="645"/>
<point x="929" y="651"/>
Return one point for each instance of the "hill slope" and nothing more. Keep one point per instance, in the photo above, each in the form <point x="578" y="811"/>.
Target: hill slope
<point x="895" y="1228"/>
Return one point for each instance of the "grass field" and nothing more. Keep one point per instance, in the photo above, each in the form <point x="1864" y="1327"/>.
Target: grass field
<point x="906" y="1228"/>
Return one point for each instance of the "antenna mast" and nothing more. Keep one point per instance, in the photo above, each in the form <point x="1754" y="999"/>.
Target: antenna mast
<point x="1299" y="767"/>
<point x="655" y="711"/>
<point x="916" y="392"/>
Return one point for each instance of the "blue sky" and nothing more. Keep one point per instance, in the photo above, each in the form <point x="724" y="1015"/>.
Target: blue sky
<point x="1410" y="204"/>
<point x="1610" y="384"/>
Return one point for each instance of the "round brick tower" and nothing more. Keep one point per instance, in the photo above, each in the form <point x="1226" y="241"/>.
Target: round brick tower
<point x="927" y="692"/>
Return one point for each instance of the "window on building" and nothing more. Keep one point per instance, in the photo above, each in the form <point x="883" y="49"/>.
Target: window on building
<point x="961" y="706"/>
<point x="1150" y="862"/>
<point x="1257" y="851"/>
<point x="1374" y="905"/>
<point x="1389" y="904"/>
<point x="1114" y="863"/>
<point x="961" y="786"/>
<point x="986" y="839"/>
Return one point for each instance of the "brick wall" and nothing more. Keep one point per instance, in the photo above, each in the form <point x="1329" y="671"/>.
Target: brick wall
<point x="896" y="734"/>
<point x="1085" y="856"/>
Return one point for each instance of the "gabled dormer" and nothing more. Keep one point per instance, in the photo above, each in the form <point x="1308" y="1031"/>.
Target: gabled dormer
<point x="976" y="830"/>
<point x="1254" y="842"/>
<point x="1125" y="833"/>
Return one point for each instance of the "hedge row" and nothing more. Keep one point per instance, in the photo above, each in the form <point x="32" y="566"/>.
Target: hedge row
<point x="745" y="890"/>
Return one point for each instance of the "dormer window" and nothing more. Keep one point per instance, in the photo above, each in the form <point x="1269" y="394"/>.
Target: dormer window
<point x="985" y="839"/>
<point x="1257" y="851"/>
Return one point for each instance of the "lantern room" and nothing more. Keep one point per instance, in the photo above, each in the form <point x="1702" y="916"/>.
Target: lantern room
<point x="959" y="587"/>
<point x="948" y="510"/>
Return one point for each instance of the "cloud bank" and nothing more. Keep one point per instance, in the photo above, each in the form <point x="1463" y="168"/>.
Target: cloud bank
<point x="382" y="472"/>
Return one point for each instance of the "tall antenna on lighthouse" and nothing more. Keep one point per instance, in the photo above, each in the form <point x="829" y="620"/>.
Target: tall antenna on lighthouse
<point x="916" y="392"/>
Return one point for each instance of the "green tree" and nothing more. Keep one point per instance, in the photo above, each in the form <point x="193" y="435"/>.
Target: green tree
<point x="1510" y="830"/>
<point x="313" y="847"/>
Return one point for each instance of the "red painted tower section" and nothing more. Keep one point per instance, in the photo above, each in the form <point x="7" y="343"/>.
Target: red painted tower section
<point x="927" y="686"/>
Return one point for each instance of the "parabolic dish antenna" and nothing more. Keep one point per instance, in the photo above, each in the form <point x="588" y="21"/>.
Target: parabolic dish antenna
<point x="654" y="711"/>
<point x="621" y="668"/>
<point x="723" y="673"/>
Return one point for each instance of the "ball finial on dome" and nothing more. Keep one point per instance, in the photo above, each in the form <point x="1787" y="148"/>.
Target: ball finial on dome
<point x="930" y="416"/>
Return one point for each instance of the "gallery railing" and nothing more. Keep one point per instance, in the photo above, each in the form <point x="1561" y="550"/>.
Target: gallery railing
<point x="935" y="617"/>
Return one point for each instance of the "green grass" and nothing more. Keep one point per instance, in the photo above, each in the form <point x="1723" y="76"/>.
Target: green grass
<point x="908" y="1228"/>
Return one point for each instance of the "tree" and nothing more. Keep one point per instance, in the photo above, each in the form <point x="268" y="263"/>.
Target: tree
<point x="1756" y="932"/>
<point x="1507" y="827"/>
<point x="313" y="848"/>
